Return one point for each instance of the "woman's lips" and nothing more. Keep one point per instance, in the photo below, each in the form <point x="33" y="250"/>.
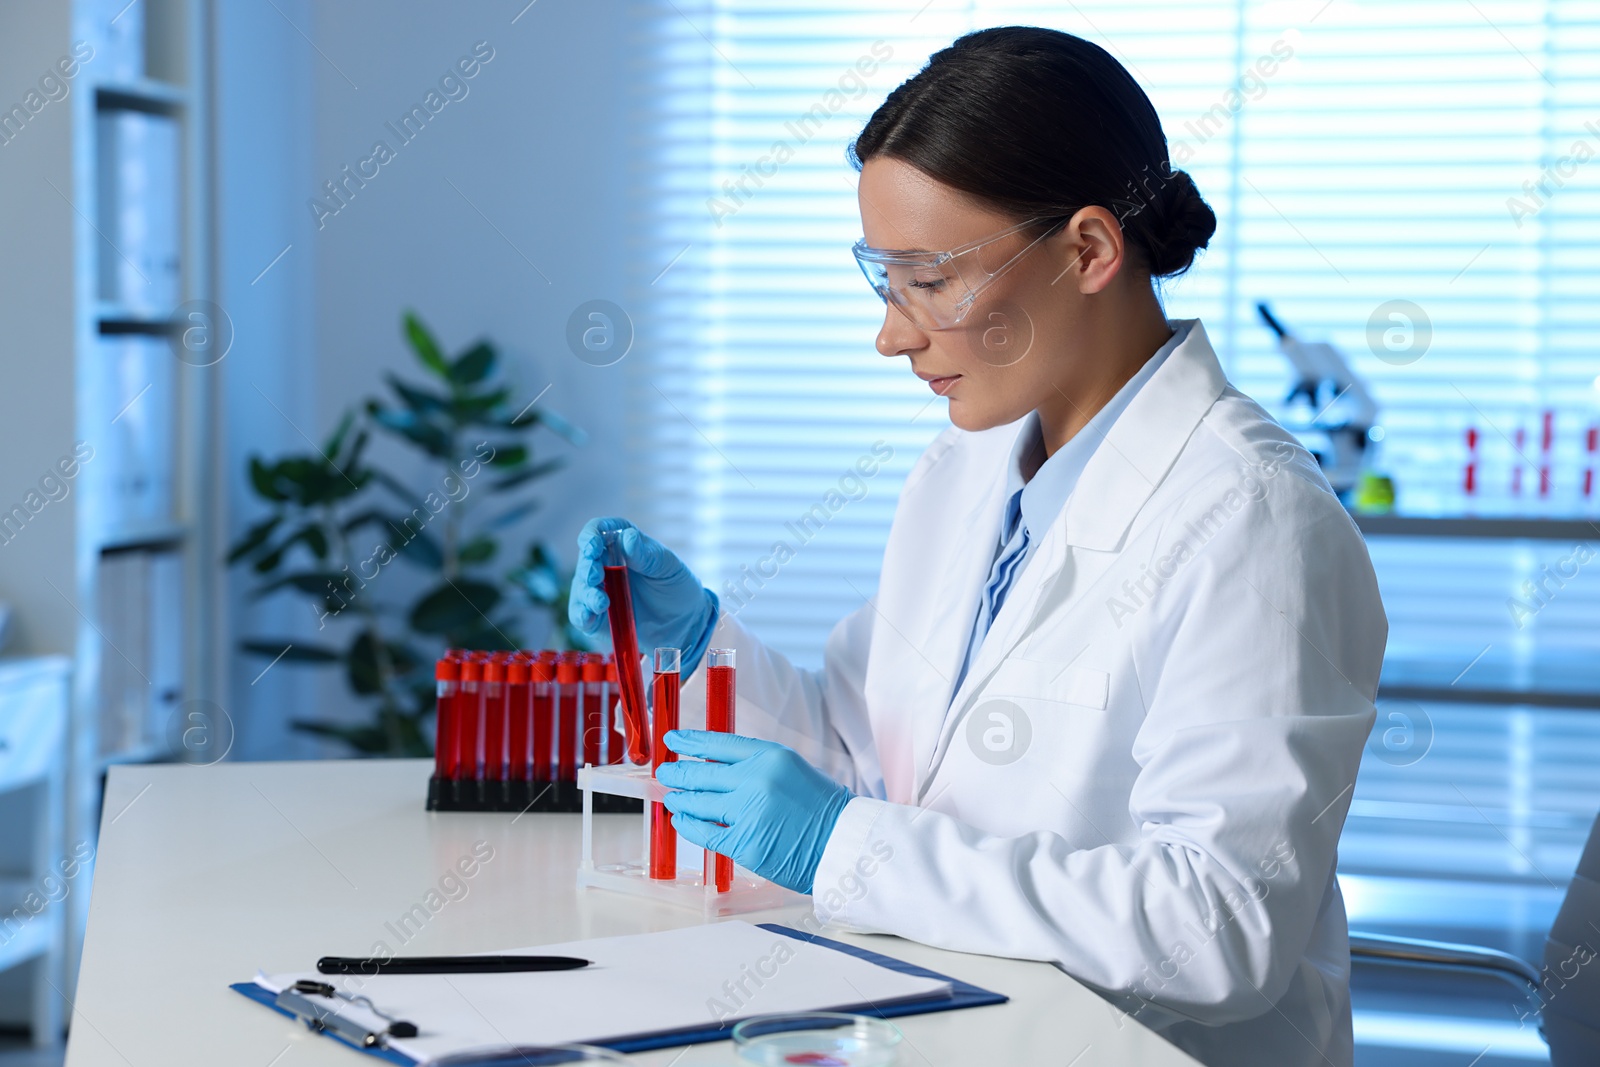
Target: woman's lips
<point x="942" y="385"/>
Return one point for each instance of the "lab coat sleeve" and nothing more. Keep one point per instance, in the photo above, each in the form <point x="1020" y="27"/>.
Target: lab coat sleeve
<point x="1256" y="666"/>
<point x="820" y="714"/>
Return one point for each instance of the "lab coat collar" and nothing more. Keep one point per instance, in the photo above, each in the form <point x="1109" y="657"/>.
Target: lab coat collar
<point x="1141" y="446"/>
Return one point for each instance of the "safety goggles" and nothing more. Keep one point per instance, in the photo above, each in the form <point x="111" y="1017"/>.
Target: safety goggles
<point x="936" y="290"/>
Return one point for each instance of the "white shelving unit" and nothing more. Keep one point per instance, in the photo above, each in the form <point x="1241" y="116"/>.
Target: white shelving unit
<point x="146" y="551"/>
<point x="35" y="883"/>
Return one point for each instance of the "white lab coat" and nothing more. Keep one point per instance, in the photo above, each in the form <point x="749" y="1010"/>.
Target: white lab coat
<point x="1171" y="709"/>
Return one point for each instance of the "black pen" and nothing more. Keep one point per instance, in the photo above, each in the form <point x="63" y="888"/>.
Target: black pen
<point x="447" y="964"/>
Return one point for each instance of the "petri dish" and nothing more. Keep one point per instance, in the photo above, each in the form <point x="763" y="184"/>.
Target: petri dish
<point x="817" y="1039"/>
<point x="529" y="1056"/>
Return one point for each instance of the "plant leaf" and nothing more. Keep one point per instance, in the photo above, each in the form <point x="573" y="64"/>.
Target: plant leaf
<point x="472" y="407"/>
<point x="423" y="549"/>
<point x="406" y="494"/>
<point x="480" y="549"/>
<point x="298" y="651"/>
<point x="254" y="538"/>
<point x="474" y="365"/>
<point x="264" y="480"/>
<point x="336" y="439"/>
<point x="426" y="348"/>
<point x="527" y="474"/>
<point x="419" y="400"/>
<point x="454" y="606"/>
<point x="427" y="436"/>
<point x="313" y="583"/>
<point x="361" y="669"/>
<point x="509" y="455"/>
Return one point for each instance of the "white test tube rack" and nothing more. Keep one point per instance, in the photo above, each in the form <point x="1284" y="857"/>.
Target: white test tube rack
<point x="628" y="870"/>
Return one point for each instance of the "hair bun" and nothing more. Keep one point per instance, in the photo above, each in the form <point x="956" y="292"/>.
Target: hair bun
<point x="1187" y="223"/>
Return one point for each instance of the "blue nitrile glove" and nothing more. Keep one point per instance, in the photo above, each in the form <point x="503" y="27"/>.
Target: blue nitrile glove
<point x="671" y="609"/>
<point x="776" y="810"/>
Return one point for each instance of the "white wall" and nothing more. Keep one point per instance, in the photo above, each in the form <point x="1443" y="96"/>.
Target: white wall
<point x="37" y="413"/>
<point x="540" y="147"/>
<point x="264" y="108"/>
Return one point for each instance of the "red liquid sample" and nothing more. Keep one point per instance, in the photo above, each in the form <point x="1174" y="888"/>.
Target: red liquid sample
<point x="663" y="838"/>
<point x="568" y="679"/>
<point x="544" y="673"/>
<point x="519" y="715"/>
<point x="494" y="719"/>
<point x="719" y="717"/>
<point x="594" y="685"/>
<point x="446" y="759"/>
<point x="625" y="646"/>
<point x="615" y="742"/>
<point x="469" y="716"/>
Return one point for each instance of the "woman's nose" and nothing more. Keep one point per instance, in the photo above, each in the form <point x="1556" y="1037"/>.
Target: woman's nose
<point x="899" y="334"/>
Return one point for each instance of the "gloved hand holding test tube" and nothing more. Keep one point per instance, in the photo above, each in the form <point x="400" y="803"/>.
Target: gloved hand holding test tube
<point x="653" y="601"/>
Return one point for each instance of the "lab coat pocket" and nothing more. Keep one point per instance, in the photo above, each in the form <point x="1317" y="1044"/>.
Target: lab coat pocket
<point x="1033" y="680"/>
<point x="1037" y="711"/>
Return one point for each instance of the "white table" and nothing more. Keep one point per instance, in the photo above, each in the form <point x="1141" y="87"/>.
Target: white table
<point x="206" y="874"/>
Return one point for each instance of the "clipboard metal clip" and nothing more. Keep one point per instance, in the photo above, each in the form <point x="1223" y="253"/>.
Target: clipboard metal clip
<point x="307" y="1001"/>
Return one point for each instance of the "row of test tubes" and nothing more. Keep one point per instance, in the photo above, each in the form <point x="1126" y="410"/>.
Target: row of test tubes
<point x="720" y="701"/>
<point x="524" y="716"/>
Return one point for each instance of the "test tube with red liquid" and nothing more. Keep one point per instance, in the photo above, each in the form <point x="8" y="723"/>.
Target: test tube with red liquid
<point x="544" y="676"/>
<point x="519" y="716"/>
<point x="594" y="702"/>
<point x="446" y="757"/>
<point x="569" y="677"/>
<point x="612" y="742"/>
<point x="494" y="718"/>
<point x="720" y="700"/>
<point x="664" y="717"/>
<point x="625" y="645"/>
<point x="469" y="717"/>
<point x="1470" y="479"/>
<point x="1547" y="436"/>
<point x="1591" y="443"/>
<point x="1519" y="446"/>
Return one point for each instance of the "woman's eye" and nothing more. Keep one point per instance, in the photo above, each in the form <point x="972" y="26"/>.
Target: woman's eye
<point x="926" y="283"/>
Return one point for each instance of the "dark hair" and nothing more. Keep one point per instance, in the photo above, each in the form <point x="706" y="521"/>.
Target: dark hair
<point x="1040" y="123"/>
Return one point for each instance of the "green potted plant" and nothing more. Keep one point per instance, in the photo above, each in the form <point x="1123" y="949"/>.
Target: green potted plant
<point x="336" y="523"/>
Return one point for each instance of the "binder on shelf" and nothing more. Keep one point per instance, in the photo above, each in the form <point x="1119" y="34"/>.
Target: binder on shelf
<point x="141" y="653"/>
<point x="133" y="431"/>
<point x="138" y="184"/>
<point x="869" y="984"/>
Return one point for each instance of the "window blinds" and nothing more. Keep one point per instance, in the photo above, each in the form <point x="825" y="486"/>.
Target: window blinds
<point x="1356" y="154"/>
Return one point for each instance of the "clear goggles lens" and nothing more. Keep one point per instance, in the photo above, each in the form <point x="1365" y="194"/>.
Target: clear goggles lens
<point x="936" y="290"/>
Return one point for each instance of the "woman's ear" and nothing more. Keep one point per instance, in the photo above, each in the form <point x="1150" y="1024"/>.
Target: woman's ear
<point x="1090" y="250"/>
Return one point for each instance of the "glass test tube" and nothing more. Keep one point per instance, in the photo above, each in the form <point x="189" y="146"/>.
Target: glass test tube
<point x="494" y="718"/>
<point x="544" y="676"/>
<point x="568" y="681"/>
<point x="469" y="715"/>
<point x="613" y="746"/>
<point x="519" y="714"/>
<point x="720" y="701"/>
<point x="664" y="717"/>
<point x="594" y="697"/>
<point x="625" y="645"/>
<point x="447" y="677"/>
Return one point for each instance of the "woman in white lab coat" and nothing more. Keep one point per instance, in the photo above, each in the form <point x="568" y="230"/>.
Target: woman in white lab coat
<point x="1107" y="706"/>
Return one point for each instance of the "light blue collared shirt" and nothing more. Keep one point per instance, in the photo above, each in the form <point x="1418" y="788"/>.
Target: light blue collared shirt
<point x="1033" y="502"/>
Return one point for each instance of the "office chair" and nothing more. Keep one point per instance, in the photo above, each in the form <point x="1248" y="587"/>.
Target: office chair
<point x="1564" y="997"/>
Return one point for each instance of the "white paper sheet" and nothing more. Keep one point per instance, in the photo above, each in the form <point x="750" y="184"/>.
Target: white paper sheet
<point x="637" y="984"/>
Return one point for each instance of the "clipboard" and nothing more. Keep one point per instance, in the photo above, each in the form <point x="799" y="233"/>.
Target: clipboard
<point x="962" y="995"/>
